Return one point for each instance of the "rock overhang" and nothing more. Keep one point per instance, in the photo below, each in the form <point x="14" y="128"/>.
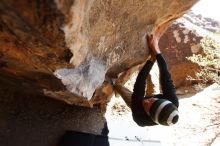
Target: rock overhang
<point x="106" y="38"/>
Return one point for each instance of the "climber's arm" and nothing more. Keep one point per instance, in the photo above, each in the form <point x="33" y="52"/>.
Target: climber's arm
<point x="140" y="84"/>
<point x="168" y="88"/>
<point x="138" y="113"/>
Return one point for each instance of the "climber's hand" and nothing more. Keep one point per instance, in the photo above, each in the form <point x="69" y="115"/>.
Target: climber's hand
<point x="152" y="54"/>
<point x="153" y="44"/>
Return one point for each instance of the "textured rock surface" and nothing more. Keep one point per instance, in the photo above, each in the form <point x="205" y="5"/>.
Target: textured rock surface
<point x="105" y="38"/>
<point x="177" y="43"/>
<point x="39" y="121"/>
<point x="181" y="40"/>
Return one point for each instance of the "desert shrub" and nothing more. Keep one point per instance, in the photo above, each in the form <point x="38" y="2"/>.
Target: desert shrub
<point x="209" y="62"/>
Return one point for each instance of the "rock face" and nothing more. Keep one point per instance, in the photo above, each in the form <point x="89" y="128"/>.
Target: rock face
<point x="69" y="49"/>
<point x="178" y="42"/>
<point x="181" y="40"/>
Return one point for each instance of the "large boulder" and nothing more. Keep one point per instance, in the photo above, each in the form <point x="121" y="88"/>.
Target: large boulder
<point x="177" y="43"/>
<point x="181" y="40"/>
<point x="69" y="49"/>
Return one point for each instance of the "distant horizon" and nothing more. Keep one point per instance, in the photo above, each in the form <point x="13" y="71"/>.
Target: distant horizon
<point x="208" y="8"/>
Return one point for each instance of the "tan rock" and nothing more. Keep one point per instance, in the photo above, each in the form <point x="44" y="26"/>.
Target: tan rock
<point x="105" y="37"/>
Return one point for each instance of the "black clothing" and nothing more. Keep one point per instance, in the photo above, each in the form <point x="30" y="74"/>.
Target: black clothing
<point x="168" y="89"/>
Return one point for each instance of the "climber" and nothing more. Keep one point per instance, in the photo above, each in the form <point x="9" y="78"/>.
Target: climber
<point x="156" y="109"/>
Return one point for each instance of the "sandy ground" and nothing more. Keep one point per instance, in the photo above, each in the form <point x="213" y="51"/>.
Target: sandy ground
<point x="199" y="123"/>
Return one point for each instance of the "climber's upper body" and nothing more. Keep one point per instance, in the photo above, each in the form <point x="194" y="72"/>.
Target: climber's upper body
<point x="156" y="109"/>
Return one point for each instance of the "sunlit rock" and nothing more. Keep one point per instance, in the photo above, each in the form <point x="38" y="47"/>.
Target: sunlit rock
<point x="181" y="40"/>
<point x="68" y="50"/>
